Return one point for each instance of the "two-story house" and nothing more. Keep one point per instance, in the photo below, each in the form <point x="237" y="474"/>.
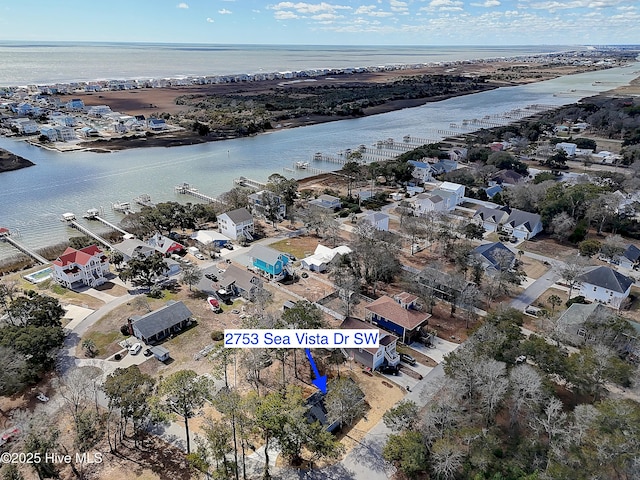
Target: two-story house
<point x="605" y="285"/>
<point x="372" y="357"/>
<point x="271" y="263"/>
<point x="399" y="316"/>
<point x="265" y="202"/>
<point x="236" y="223"/>
<point x="85" y="267"/>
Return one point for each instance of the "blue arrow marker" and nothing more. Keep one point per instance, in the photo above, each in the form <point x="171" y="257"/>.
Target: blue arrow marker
<point x="319" y="381"/>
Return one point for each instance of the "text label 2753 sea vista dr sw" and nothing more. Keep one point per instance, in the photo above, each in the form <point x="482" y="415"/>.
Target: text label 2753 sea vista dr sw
<point x="301" y="338"/>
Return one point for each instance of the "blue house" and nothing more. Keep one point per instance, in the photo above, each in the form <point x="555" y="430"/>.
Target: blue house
<point x="271" y="263"/>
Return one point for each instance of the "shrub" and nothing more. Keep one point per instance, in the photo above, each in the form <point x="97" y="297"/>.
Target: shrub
<point x="217" y="335"/>
<point x="578" y="299"/>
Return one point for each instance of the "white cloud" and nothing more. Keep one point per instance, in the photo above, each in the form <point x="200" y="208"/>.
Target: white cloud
<point x="444" y="5"/>
<point x="371" y="11"/>
<point x="486" y="4"/>
<point x="182" y="5"/>
<point x="398" y="6"/>
<point x="224" y="11"/>
<point x="308" y="8"/>
<point x="210" y="20"/>
<point x="285" y="16"/>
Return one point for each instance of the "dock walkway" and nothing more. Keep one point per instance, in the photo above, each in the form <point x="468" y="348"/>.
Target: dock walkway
<point x="7" y="238"/>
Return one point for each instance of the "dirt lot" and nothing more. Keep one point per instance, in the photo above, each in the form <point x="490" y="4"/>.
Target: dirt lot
<point x="533" y="268"/>
<point x="547" y="246"/>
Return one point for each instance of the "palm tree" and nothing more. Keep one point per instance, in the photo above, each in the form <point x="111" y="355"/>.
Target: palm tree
<point x="554" y="301"/>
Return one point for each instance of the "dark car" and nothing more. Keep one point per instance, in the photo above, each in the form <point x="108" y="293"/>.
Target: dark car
<point x="406" y="358"/>
<point x="211" y="277"/>
<point x="229" y="246"/>
<point x="228" y="301"/>
<point x="147" y="352"/>
<point x="388" y="369"/>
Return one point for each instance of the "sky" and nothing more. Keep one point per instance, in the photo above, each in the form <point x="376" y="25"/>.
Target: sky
<point x="327" y="22"/>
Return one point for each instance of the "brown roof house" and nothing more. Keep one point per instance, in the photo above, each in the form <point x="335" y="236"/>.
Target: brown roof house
<point x="399" y="316"/>
<point x="372" y="357"/>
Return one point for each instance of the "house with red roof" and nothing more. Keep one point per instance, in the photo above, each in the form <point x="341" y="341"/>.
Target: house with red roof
<point x="400" y="316"/>
<point x="87" y="266"/>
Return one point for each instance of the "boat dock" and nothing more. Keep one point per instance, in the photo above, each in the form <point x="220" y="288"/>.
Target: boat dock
<point x="144" y="200"/>
<point x="122" y="207"/>
<point x="186" y="189"/>
<point x="70" y="218"/>
<point x="248" y="182"/>
<point x="5" y="236"/>
<point x="94" y="214"/>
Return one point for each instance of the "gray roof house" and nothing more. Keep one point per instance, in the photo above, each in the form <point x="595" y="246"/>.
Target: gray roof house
<point x="495" y="256"/>
<point x="236" y="223"/>
<point x="605" y="285"/>
<point x="490" y="218"/>
<point x="134" y="248"/>
<point x="582" y="323"/>
<point x="522" y="225"/>
<point x="161" y="323"/>
<point x="241" y="281"/>
<point x="328" y="202"/>
<point x="630" y="258"/>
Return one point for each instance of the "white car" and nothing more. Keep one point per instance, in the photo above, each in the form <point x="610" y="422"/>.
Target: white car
<point x="199" y="256"/>
<point x="135" y="349"/>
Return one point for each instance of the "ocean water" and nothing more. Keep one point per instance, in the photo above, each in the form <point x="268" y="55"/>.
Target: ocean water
<point x="24" y="63"/>
<point x="32" y="200"/>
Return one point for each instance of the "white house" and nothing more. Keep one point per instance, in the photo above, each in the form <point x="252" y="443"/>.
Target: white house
<point x="427" y="202"/>
<point x="236" y="223"/>
<point x="568" y="148"/>
<point x="490" y="218"/>
<point x="630" y="258"/>
<point x="98" y="110"/>
<point x="518" y="223"/>
<point x="379" y="220"/>
<point x="322" y="257"/>
<point x="372" y="357"/>
<point x="605" y="285"/>
<point x="421" y="170"/>
<point x="327" y="202"/>
<point x="85" y="267"/>
<point x="522" y="225"/>
<point x="455" y="188"/>
<point x="25" y="126"/>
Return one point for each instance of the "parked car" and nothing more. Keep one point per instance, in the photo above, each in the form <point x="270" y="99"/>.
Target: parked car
<point x="229" y="246"/>
<point x="135" y="348"/>
<point x="211" y="276"/>
<point x="147" y="352"/>
<point x="199" y="256"/>
<point x="388" y="369"/>
<point x="406" y="358"/>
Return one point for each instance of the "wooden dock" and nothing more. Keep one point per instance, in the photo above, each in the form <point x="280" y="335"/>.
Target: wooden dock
<point x="5" y="236"/>
<point x="186" y="189"/>
<point x="94" y="214"/>
<point x="71" y="221"/>
<point x="144" y="200"/>
<point x="248" y="182"/>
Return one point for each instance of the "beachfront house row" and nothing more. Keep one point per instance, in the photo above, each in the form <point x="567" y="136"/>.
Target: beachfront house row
<point x="271" y="263"/>
<point x="161" y="323"/>
<point x="236" y="223"/>
<point x="323" y="257"/>
<point x="372" y="357"/>
<point x="326" y="202"/>
<point x="240" y="282"/>
<point x="264" y="202"/>
<point x="85" y="267"/>
<point x="399" y="316"/>
<point x="605" y="285"/>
